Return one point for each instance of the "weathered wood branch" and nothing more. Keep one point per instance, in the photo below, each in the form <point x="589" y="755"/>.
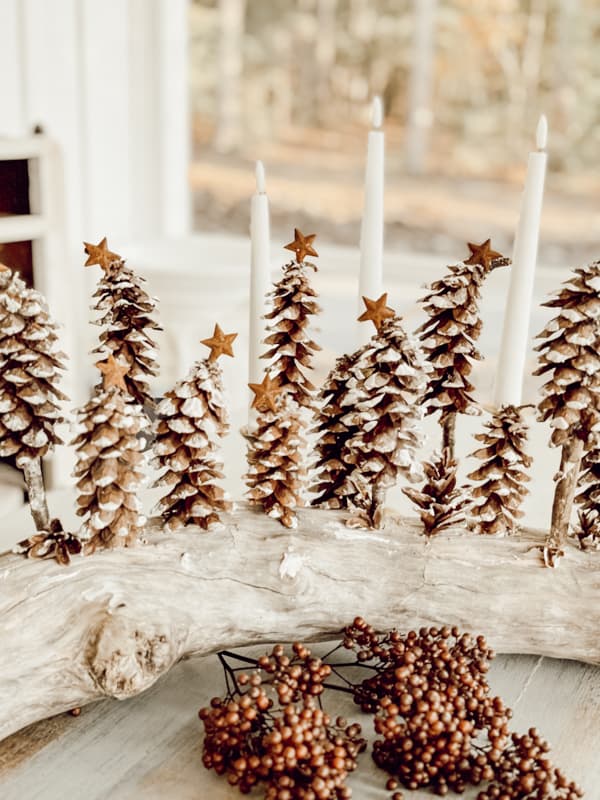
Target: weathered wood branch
<point x="110" y="624"/>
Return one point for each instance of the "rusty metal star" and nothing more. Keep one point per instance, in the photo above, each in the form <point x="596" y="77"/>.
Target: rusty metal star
<point x="482" y="254"/>
<point x="100" y="254"/>
<point x="266" y="393"/>
<point x="376" y="311"/>
<point x="112" y="373"/>
<point x="302" y="245"/>
<point x="220" y="343"/>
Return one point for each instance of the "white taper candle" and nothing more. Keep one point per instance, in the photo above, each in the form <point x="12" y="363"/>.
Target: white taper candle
<point x="515" y="333"/>
<point x="260" y="274"/>
<point x="371" y="236"/>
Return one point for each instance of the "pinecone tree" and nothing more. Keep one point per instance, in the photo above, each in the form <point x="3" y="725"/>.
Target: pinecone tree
<point x="275" y="453"/>
<point x="290" y="347"/>
<point x="501" y="477"/>
<point x="29" y="396"/>
<point x="191" y="418"/>
<point x="332" y="434"/>
<point x="386" y="418"/>
<point x="450" y="334"/>
<point x="126" y="311"/>
<point x="441" y="502"/>
<point x="588" y="500"/>
<point x="333" y="428"/>
<point x="569" y="358"/>
<point x="110" y="464"/>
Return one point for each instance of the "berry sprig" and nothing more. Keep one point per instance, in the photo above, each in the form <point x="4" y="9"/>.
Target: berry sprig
<point x="431" y="703"/>
<point x="271" y="730"/>
<point x="438" y="724"/>
<point x="525" y="772"/>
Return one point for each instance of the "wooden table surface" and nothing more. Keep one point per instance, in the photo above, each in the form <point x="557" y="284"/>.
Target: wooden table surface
<point x="149" y="747"/>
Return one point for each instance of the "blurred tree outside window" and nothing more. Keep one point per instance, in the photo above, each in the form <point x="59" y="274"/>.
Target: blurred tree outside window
<point x="463" y="85"/>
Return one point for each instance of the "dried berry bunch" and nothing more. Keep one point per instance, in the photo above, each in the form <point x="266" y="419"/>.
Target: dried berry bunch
<point x="438" y="724"/>
<point x="441" y="502"/>
<point x="296" y="676"/>
<point x="524" y="772"/>
<point x="269" y="730"/>
<point x="429" y="693"/>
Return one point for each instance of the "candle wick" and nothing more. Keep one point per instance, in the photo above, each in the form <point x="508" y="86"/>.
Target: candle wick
<point x="541" y="134"/>
<point x="260" y="178"/>
<point x="377" y="112"/>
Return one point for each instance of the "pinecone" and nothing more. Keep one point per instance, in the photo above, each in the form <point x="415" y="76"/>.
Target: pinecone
<point x="127" y="320"/>
<point x="336" y="398"/>
<point x="385" y="417"/>
<point x="290" y="347"/>
<point x="502" y="488"/>
<point x="30" y="363"/>
<point x="110" y="467"/>
<point x="275" y="471"/>
<point x="588" y="530"/>
<point x="442" y="503"/>
<point x="570" y="358"/>
<point x="449" y="337"/>
<point x="588" y="500"/>
<point x="191" y="417"/>
<point x="52" y="543"/>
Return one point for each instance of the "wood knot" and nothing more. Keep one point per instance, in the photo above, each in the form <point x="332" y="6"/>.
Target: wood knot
<point x="125" y="657"/>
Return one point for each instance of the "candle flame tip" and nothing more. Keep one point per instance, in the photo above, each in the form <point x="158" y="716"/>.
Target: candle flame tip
<point x="377" y="112"/>
<point x="260" y="177"/>
<point x="541" y="134"/>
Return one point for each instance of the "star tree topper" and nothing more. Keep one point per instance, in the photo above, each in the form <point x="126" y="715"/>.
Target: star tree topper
<point x="482" y="254"/>
<point x="302" y="245"/>
<point x="220" y="344"/>
<point x="376" y="311"/>
<point x="266" y="393"/>
<point x="100" y="254"/>
<point x="113" y="373"/>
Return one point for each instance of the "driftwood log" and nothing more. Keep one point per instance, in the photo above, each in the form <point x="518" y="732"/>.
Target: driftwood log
<point x="111" y="624"/>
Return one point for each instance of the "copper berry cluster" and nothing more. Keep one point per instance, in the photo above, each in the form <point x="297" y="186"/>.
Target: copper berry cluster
<point x="525" y="772"/>
<point x="270" y="730"/>
<point x="438" y="726"/>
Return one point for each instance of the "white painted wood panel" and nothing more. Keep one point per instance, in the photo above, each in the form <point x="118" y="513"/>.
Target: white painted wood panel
<point x="22" y="227"/>
<point x="107" y="79"/>
<point x="174" y="122"/>
<point x="107" y="139"/>
<point x="51" y="41"/>
<point x="12" y="109"/>
<point x="145" y="169"/>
